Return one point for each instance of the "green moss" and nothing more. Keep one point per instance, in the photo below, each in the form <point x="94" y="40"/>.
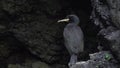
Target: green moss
<point x="107" y="57"/>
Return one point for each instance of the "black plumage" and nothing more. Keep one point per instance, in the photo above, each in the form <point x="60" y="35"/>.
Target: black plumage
<point x="73" y="37"/>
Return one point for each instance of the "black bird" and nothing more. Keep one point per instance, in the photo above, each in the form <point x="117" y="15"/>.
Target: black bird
<point x="73" y="37"/>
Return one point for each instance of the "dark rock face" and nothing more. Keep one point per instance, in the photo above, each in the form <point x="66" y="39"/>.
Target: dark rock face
<point x="34" y="23"/>
<point x="106" y="16"/>
<point x="114" y="11"/>
<point x="113" y="38"/>
<point x="100" y="14"/>
<point x="38" y="38"/>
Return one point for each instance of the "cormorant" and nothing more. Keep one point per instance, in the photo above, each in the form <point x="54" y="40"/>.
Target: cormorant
<point x="73" y="37"/>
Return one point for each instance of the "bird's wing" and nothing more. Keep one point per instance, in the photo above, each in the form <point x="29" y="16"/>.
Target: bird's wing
<point x="73" y="37"/>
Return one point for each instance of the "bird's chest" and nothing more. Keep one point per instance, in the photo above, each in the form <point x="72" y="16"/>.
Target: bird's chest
<point x="70" y="27"/>
<point x="72" y="32"/>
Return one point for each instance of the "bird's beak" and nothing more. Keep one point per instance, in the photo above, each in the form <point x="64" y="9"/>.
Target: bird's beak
<point x="63" y="20"/>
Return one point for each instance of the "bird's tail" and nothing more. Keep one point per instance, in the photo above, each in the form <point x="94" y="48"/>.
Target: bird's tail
<point x="73" y="60"/>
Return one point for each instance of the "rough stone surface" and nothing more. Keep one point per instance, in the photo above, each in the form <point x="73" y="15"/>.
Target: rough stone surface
<point x="34" y="23"/>
<point x="29" y="28"/>
<point x="100" y="14"/>
<point x="114" y="8"/>
<point x="113" y="38"/>
<point x="105" y="15"/>
<point x="101" y="59"/>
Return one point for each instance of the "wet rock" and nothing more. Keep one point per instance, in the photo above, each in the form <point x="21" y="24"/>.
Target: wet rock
<point x="113" y="37"/>
<point x="101" y="59"/>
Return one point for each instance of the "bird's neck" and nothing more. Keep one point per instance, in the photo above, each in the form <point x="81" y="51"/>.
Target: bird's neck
<point x="74" y="23"/>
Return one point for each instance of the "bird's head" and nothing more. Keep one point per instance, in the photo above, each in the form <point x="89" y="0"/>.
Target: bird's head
<point x="70" y="19"/>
